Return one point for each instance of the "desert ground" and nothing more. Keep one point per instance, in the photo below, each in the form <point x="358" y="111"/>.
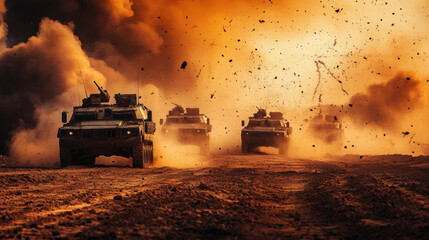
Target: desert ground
<point x="258" y="196"/>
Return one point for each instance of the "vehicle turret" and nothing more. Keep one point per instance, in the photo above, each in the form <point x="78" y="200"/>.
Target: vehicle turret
<point x="96" y="99"/>
<point x="104" y="95"/>
<point x="260" y="114"/>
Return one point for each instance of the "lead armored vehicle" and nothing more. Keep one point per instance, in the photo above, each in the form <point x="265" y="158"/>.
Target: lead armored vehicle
<point x="188" y="128"/>
<point x="124" y="128"/>
<point x="327" y="128"/>
<point x="267" y="131"/>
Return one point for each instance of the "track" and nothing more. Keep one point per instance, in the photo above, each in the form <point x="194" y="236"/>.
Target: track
<point x="244" y="196"/>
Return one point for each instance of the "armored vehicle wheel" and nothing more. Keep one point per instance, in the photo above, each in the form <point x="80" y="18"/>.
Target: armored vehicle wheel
<point x="65" y="157"/>
<point x="90" y="161"/>
<point x="138" y="155"/>
<point x="244" y="147"/>
<point x="146" y="154"/>
<point x="283" y="148"/>
<point x="205" y="147"/>
<point x="252" y="148"/>
<point x="151" y="153"/>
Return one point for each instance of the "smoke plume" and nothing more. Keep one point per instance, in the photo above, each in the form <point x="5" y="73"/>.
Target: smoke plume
<point x="385" y="104"/>
<point x="38" y="72"/>
<point x="126" y="34"/>
<point x="3" y="27"/>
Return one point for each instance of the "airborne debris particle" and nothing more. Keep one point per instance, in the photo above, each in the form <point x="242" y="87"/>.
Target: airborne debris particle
<point x="406" y="133"/>
<point x="184" y="64"/>
<point x="330" y="73"/>
<point x="261" y="21"/>
<point x="199" y="73"/>
<point x="117" y="197"/>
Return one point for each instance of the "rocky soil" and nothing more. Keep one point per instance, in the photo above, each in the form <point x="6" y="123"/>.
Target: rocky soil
<point x="237" y="196"/>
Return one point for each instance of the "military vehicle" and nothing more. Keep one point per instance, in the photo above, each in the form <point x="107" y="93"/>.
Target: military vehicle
<point x="272" y="131"/>
<point x="327" y="128"/>
<point x="188" y="128"/>
<point x="122" y="129"/>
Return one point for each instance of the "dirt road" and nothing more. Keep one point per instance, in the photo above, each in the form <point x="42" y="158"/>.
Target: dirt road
<point x="238" y="196"/>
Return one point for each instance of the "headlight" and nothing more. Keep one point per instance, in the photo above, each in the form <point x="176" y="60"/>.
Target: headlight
<point x="69" y="133"/>
<point x="130" y="132"/>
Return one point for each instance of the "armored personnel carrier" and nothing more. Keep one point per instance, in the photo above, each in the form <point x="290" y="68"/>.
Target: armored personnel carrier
<point x="327" y="128"/>
<point x="122" y="129"/>
<point x="272" y="131"/>
<point x="188" y="128"/>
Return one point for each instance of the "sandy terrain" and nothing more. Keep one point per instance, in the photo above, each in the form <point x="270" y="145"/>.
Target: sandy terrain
<point x="238" y="196"/>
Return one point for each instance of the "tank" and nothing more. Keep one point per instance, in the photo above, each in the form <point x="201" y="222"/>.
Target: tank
<point x="327" y="128"/>
<point x="188" y="127"/>
<point x="266" y="131"/>
<point x="97" y="128"/>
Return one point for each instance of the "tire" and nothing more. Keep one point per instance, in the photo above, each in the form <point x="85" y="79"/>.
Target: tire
<point x="205" y="147"/>
<point x="138" y="155"/>
<point x="146" y="155"/>
<point x="283" y="148"/>
<point x="90" y="161"/>
<point x="251" y="148"/>
<point x="244" y="147"/>
<point x="65" y="157"/>
<point x="151" y="154"/>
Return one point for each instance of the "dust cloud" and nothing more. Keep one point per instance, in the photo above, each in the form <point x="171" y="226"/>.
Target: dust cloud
<point x="239" y="55"/>
<point x="3" y="26"/>
<point x="39" y="76"/>
<point x="384" y="104"/>
<point x="171" y="153"/>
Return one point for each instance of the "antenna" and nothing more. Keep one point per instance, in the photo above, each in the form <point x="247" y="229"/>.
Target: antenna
<point x="78" y="94"/>
<point x="83" y="83"/>
<point x="138" y="86"/>
<point x="138" y="82"/>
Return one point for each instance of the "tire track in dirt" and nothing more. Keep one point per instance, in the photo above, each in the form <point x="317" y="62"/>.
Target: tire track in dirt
<point x="244" y="196"/>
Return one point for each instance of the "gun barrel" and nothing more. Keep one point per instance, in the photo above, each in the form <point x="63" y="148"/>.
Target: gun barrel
<point x="99" y="88"/>
<point x="175" y="104"/>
